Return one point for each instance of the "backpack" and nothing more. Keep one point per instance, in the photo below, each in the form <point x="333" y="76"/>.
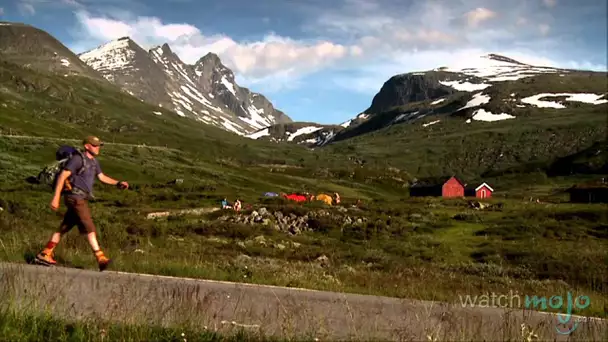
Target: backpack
<point x="49" y="174"/>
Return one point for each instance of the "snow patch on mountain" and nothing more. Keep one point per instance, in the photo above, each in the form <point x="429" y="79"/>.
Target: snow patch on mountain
<point x="535" y="100"/>
<point x="261" y="133"/>
<point x="477" y="100"/>
<point x="407" y="117"/>
<point x="346" y="123"/>
<point x="228" y="85"/>
<point x="483" y="115"/>
<point x="465" y="86"/>
<point x="430" y="123"/>
<point x="495" y="68"/>
<point x="355" y="120"/>
<point x="303" y="130"/>
<point x="110" y="56"/>
<point x="256" y="120"/>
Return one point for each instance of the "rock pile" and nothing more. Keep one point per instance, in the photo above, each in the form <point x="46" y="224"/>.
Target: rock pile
<point x="291" y="222"/>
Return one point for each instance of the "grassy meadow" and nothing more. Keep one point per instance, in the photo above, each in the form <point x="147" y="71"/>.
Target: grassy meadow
<point x="407" y="247"/>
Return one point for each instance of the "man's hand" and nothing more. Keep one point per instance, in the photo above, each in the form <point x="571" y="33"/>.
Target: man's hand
<point x="111" y="181"/>
<point x="55" y="204"/>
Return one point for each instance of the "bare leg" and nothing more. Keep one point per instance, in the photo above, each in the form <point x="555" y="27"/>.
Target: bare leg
<point x="56" y="237"/>
<point x="65" y="227"/>
<point x="92" y="238"/>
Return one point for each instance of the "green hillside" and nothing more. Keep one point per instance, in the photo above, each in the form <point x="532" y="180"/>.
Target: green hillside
<point x="435" y="140"/>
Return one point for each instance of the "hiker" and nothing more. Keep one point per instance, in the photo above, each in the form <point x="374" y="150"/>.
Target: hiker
<point x="337" y="198"/>
<point x="237" y="205"/>
<point x="77" y="188"/>
<point x="225" y="204"/>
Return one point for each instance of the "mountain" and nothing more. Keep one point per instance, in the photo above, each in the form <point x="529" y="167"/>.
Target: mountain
<point x="36" y="49"/>
<point x="494" y="88"/>
<point x="497" y="118"/>
<point x="205" y="91"/>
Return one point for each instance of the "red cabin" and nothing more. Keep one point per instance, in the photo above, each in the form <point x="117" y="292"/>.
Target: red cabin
<point x="453" y="187"/>
<point x="438" y="187"/>
<point x="483" y="191"/>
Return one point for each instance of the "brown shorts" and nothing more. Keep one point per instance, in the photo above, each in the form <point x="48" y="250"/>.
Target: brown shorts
<point x="78" y="214"/>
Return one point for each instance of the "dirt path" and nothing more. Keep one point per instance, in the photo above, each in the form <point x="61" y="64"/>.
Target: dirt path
<point x="273" y="310"/>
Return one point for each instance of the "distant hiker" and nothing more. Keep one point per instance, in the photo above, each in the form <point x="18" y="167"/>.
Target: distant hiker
<point x="237" y="205"/>
<point x="75" y="183"/>
<point x="225" y="204"/>
<point x="337" y="198"/>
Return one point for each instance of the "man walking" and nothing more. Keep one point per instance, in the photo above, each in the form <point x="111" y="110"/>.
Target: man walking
<point x="77" y="189"/>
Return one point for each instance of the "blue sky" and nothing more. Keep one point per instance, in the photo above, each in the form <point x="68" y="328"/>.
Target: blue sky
<point x="324" y="62"/>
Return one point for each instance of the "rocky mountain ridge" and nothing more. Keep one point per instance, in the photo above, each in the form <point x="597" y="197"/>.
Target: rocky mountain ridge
<point x="205" y="91"/>
<point x="487" y="89"/>
<point x="36" y="49"/>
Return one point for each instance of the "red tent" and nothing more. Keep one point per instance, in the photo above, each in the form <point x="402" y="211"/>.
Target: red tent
<point x="296" y="197"/>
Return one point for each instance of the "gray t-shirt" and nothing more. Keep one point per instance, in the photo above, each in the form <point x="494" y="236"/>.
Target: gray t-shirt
<point x="85" y="180"/>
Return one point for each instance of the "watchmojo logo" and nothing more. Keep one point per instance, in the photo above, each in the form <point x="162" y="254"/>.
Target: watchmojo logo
<point x="514" y="300"/>
<point x="558" y="302"/>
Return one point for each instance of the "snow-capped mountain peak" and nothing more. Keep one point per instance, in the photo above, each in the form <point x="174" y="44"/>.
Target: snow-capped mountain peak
<point x="114" y="55"/>
<point x="496" y="68"/>
<point x="205" y="91"/>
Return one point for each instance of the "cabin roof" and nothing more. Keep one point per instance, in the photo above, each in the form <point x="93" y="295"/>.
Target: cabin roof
<point x="482" y="185"/>
<point x="595" y="184"/>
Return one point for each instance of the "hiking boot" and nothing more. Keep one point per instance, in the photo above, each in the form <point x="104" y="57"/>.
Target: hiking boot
<point x="45" y="259"/>
<point x="103" y="261"/>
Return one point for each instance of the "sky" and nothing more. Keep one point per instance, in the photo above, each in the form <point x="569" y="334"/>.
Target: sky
<point x="324" y="61"/>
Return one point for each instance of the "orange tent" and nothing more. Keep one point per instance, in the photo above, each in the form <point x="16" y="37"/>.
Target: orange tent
<point x="325" y="198"/>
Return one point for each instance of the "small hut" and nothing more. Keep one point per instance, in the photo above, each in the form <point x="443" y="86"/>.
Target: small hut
<point x="483" y="191"/>
<point x="592" y="192"/>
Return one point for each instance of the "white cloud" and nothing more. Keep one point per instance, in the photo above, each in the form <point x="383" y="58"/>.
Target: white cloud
<point x="372" y="40"/>
<point x="369" y="78"/>
<point x="550" y="3"/>
<point x="272" y="57"/>
<point x="72" y="3"/>
<point x="26" y="8"/>
<point x="479" y="15"/>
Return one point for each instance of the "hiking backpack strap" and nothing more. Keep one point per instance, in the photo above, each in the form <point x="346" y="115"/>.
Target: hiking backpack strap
<point x="84" y="162"/>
